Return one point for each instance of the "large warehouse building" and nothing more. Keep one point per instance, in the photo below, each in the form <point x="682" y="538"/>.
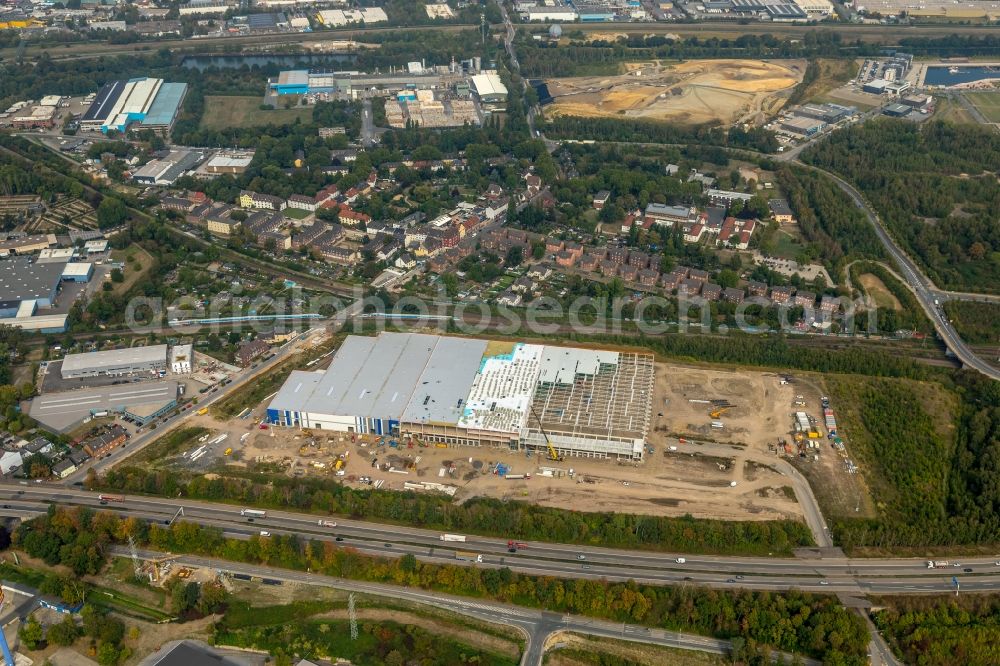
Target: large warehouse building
<point x="131" y="361"/>
<point x="460" y="391"/>
<point x="148" y="102"/>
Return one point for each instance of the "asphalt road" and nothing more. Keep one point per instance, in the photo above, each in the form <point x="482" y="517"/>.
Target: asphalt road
<point x="926" y="292"/>
<point x="852" y="576"/>
<point x="536" y="625"/>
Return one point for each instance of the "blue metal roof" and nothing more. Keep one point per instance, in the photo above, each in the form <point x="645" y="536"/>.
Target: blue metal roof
<point x="163" y="110"/>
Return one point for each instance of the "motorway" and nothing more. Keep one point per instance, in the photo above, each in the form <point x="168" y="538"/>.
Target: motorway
<point x="850" y="576"/>
<point x="535" y="625"/>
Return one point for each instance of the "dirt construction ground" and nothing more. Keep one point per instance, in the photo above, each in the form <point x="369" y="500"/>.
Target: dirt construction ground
<point x="701" y="91"/>
<point x="692" y="470"/>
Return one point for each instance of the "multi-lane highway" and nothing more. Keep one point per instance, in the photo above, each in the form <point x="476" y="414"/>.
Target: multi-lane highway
<point x="536" y="625"/>
<point x="835" y="575"/>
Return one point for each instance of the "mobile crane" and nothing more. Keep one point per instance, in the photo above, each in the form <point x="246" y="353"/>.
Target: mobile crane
<point x="553" y="454"/>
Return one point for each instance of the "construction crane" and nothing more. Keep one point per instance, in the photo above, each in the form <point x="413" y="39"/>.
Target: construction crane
<point x="716" y="413"/>
<point x="553" y="454"/>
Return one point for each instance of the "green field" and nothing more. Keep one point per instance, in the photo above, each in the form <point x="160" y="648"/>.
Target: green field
<point x="222" y="112"/>
<point x="988" y="104"/>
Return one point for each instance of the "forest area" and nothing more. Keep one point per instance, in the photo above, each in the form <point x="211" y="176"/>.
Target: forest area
<point x="942" y="631"/>
<point x="794" y="621"/>
<point x="934" y="186"/>
<point x="931" y="454"/>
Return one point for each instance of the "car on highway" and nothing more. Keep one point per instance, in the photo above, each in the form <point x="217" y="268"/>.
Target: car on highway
<point x="967" y="570"/>
<point x="823" y="582"/>
<point x="339" y="538"/>
<point x="731" y="580"/>
<point x="265" y="533"/>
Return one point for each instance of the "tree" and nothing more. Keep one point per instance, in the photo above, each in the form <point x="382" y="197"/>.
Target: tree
<point x="117" y="275"/>
<point x="515" y="255"/>
<point x="65" y="633"/>
<point x="32" y="634"/>
<point x="111" y="213"/>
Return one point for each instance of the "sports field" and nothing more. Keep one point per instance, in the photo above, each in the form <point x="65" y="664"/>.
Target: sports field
<point x="223" y="111"/>
<point x="988" y="104"/>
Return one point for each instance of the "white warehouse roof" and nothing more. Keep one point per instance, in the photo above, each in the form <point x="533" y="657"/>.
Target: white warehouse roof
<point x="488" y="84"/>
<point x="114" y="358"/>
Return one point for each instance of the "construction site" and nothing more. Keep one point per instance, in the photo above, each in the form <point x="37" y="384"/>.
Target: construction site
<point x="720" y="444"/>
<point x="717" y="92"/>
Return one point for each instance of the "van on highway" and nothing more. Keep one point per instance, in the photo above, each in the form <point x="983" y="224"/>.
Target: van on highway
<point x="265" y="533"/>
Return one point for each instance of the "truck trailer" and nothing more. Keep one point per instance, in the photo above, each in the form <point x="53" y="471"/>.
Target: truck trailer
<point x="453" y="537"/>
<point x="253" y="513"/>
<point x="468" y="557"/>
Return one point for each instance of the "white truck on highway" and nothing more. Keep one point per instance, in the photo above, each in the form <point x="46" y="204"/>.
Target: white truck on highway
<point x="327" y="523"/>
<point x="453" y="537"/>
<point x="253" y="513"/>
<point x="937" y="564"/>
<point x="468" y="557"/>
<point x="680" y="560"/>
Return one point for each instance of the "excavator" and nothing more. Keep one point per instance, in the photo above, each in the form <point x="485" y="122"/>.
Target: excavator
<point x="553" y="454"/>
<point x="716" y="413"/>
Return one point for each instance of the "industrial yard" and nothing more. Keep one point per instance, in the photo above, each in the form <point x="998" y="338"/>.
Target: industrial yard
<point x="704" y="91"/>
<point x="739" y="471"/>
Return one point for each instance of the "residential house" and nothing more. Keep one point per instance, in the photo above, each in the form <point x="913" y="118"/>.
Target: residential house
<point x="352" y="218"/>
<point x="328" y="193"/>
<point x="302" y="202"/>
<point x="757" y="288"/>
<point x="600" y="199"/>
<point x="509" y="298"/>
<point x="781" y="294"/>
<point x="648" y="277"/>
<point x="698" y="274"/>
<point x="308" y="235"/>
<point x="829" y="304"/>
<point x="339" y="255"/>
<point x="693" y="232"/>
<point x="277" y="239"/>
<point x="540" y="271"/>
<point x="405" y="261"/>
<point x="689" y="287"/>
<point x="10" y="462"/>
<point x="64" y="468"/>
<point x="670" y="281"/>
<point x="533" y="186"/>
<point x="523" y="285"/>
<point x="671" y="169"/>
<point x="553" y="245"/>
<point x="736" y="233"/>
<point x="575" y="249"/>
<point x="629" y="273"/>
<point x="714" y="218"/>
<point x="251" y="350"/>
<point x="389" y="250"/>
<point x="223" y="226"/>
<point x="618" y="256"/>
<point x="260" y="201"/>
<point x="176" y="203"/>
<point x="494" y="191"/>
<point x="732" y="295"/>
<point x="806" y="299"/>
<point x="638" y="259"/>
<point x="590" y="261"/>
<point x="104" y="443"/>
<point x="609" y="268"/>
<point x="781" y="211"/>
<point x="680" y="271"/>
<point x="628" y="223"/>
<point x="39" y="445"/>
<point x="565" y="259"/>
<point x="711" y="292"/>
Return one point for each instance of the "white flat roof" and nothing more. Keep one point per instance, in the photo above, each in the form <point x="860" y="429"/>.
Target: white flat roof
<point x="62" y="410"/>
<point x="114" y="358"/>
<point x="488" y="84"/>
<point x="78" y="268"/>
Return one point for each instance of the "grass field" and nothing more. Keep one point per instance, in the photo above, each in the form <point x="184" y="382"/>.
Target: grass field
<point x="949" y="111"/>
<point x="833" y="73"/>
<point x="223" y="112"/>
<point x="879" y="292"/>
<point x="988" y="104"/>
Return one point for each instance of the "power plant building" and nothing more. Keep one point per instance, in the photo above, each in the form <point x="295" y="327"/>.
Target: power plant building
<point x="465" y="392"/>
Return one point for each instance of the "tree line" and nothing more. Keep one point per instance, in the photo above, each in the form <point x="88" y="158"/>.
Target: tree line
<point x="934" y="186"/>
<point x="486" y="516"/>
<point x="794" y="621"/>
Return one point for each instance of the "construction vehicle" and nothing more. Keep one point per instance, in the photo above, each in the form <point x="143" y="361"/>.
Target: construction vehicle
<point x="337" y="467"/>
<point x="202" y="411"/>
<point x="228" y="451"/>
<point x="716" y="413"/>
<point x="553" y="454"/>
<point x="307" y="433"/>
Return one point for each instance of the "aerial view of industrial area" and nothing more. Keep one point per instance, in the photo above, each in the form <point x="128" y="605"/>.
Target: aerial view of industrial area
<point x="499" y="332"/>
